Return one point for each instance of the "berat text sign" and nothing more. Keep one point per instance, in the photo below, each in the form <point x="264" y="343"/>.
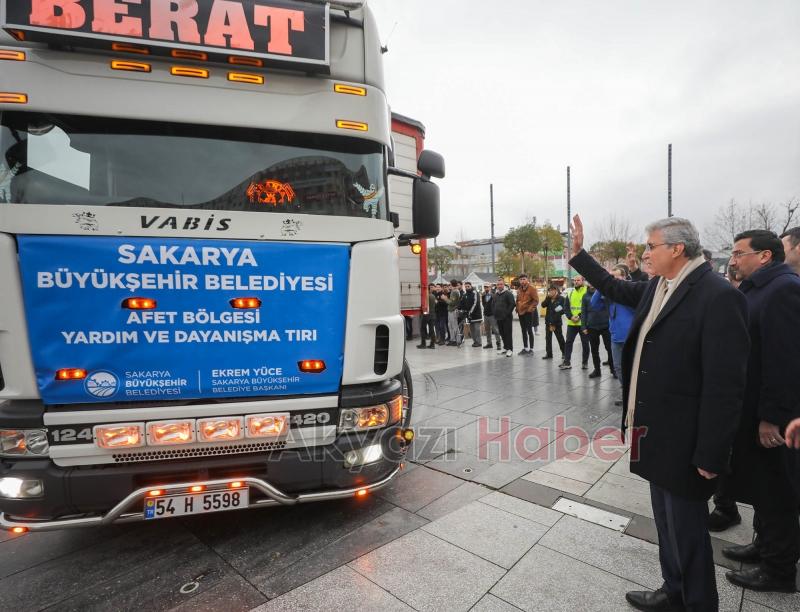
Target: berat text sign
<point x="283" y="31"/>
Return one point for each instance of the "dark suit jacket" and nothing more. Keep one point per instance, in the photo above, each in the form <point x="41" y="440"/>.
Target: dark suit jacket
<point x="691" y="376"/>
<point x="773" y="300"/>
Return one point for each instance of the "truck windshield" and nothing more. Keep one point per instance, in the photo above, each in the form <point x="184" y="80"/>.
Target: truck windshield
<point x="91" y="161"/>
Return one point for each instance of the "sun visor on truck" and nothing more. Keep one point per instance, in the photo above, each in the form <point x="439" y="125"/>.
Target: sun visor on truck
<point x="132" y="319"/>
<point x="285" y="33"/>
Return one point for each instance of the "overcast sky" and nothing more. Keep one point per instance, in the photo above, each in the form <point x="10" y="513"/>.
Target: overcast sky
<point x="513" y="92"/>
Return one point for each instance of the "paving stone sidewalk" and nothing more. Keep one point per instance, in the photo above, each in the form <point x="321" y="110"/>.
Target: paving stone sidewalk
<point x="539" y="522"/>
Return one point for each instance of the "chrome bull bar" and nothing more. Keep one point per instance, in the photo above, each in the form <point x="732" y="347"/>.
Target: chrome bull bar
<point x="120" y="513"/>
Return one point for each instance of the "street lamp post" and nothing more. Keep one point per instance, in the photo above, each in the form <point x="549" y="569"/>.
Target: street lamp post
<point x="669" y="181"/>
<point x="546" y="263"/>
<point x="569" y="226"/>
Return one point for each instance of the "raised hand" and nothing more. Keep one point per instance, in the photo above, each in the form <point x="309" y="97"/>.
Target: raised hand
<point x="793" y="434"/>
<point x="631" y="259"/>
<point x="577" y="234"/>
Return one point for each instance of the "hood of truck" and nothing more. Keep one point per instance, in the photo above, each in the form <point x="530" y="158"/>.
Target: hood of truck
<point x="161" y="319"/>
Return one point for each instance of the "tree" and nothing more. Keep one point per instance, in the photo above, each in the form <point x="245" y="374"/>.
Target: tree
<point x="788" y="210"/>
<point x="609" y="252"/>
<point x="440" y="258"/>
<point x="615" y="229"/>
<point x="523" y="239"/>
<point x="765" y="216"/>
<point x="507" y="264"/>
<point x="730" y="220"/>
<point x="552" y="238"/>
<point x="734" y="218"/>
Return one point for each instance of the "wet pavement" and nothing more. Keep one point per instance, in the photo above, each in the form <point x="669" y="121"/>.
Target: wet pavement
<point x="516" y="496"/>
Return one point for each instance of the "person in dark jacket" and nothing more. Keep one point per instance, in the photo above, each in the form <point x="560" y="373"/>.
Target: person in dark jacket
<point x="760" y="474"/>
<point x="504" y="305"/>
<point x="474" y="313"/>
<point x="556" y="307"/>
<point x="635" y="273"/>
<point x="684" y="367"/>
<point x="428" y="326"/>
<point x="793" y="457"/>
<point x="594" y="323"/>
<point x="453" y="324"/>
<point x="441" y="315"/>
<point x="620" y="318"/>
<point x="490" y="323"/>
<point x="791" y="246"/>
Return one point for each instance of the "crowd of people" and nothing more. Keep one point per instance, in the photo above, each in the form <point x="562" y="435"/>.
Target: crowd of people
<point x="706" y="364"/>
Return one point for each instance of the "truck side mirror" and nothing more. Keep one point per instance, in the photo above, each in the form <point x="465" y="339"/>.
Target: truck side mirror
<point x="431" y="164"/>
<point x="425" y="209"/>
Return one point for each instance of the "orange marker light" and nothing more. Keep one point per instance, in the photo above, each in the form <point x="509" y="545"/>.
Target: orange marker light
<point x="71" y="374"/>
<point x="18" y="34"/>
<point x="19" y="530"/>
<point x="139" y="303"/>
<point x="187" y="71"/>
<point x="236" y="485"/>
<point x="246" y="303"/>
<point x="416" y="248"/>
<point x="361" y="492"/>
<point x="349" y="89"/>
<point x="130" y="66"/>
<point x="130" y="48"/>
<point x="155" y="493"/>
<point x="17" y="56"/>
<point x="352" y="125"/>
<point x="184" y="54"/>
<point x="312" y="366"/>
<point x="13" y="98"/>
<point x="245" y="61"/>
<point x="197" y="489"/>
<point x="246" y="77"/>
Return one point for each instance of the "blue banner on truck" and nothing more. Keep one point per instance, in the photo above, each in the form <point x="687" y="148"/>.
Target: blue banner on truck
<point x="132" y="319"/>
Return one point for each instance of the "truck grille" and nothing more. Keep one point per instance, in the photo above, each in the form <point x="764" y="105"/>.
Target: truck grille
<point x="381" y="349"/>
<point x="189" y="453"/>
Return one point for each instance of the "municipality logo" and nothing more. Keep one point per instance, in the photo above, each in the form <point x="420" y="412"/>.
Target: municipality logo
<point x="102" y="384"/>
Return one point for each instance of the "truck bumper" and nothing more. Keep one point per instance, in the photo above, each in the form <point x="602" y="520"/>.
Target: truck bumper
<point x="105" y="495"/>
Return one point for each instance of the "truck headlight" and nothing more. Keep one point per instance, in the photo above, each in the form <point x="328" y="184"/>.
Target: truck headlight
<point x="24" y="443"/>
<point x="371" y="417"/>
<point x="19" y="488"/>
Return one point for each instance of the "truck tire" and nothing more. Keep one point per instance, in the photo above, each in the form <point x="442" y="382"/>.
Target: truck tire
<point x="408" y="395"/>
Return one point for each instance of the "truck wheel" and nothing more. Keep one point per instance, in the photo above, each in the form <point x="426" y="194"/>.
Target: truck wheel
<point x="408" y="395"/>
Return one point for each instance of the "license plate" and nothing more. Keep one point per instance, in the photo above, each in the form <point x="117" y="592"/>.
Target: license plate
<point x="196" y="503"/>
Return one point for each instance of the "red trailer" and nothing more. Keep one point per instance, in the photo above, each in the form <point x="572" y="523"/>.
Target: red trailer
<point x="408" y="136"/>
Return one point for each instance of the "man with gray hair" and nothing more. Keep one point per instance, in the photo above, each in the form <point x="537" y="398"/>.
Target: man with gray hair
<point x="791" y="246"/>
<point x="684" y="371"/>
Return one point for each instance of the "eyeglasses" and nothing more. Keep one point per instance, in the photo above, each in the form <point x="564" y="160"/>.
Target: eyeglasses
<point x="740" y="254"/>
<point x="650" y="247"/>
